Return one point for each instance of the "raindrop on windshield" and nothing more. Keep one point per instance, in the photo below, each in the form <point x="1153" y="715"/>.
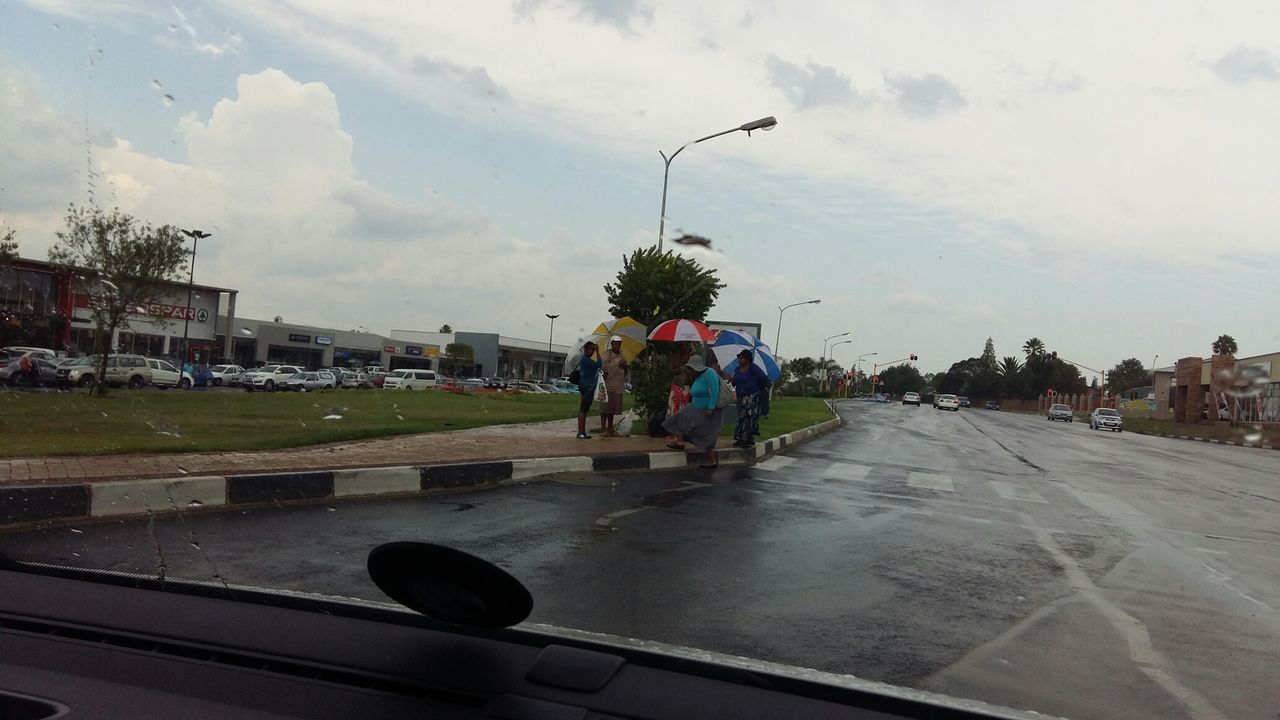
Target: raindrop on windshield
<point x="246" y="331"/>
<point x="194" y="503"/>
<point x="1255" y="435"/>
<point x="195" y="544"/>
<point x="334" y="413"/>
<point x="168" y="100"/>
<point x="77" y="531"/>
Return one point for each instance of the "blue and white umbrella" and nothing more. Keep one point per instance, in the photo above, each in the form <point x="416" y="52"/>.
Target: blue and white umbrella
<point x="731" y="342"/>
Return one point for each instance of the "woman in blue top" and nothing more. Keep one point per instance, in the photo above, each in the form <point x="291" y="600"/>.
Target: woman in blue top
<point x="698" y="423"/>
<point x="751" y="383"/>
<point x="588" y="375"/>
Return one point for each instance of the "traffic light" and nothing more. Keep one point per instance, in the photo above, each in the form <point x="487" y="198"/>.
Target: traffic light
<point x="913" y="357"/>
<point x="1050" y="392"/>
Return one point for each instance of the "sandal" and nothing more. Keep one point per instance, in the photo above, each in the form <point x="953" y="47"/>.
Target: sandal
<point x="675" y="446"/>
<point x="709" y="466"/>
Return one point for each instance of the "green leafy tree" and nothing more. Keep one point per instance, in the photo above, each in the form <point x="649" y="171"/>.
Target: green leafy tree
<point x="898" y="379"/>
<point x="446" y="328"/>
<point x="1127" y="374"/>
<point x="8" y="246"/>
<point x="1033" y="346"/>
<point x="989" y="355"/>
<point x="1225" y="345"/>
<point x="460" y="356"/>
<point x="803" y="369"/>
<point x="1011" y="379"/>
<point x="653" y="287"/>
<point x="124" y="265"/>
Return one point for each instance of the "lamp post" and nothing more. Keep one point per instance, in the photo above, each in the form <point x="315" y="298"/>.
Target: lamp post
<point x="859" y="363"/>
<point x="822" y="383"/>
<point x="765" y="123"/>
<point x="550" y="335"/>
<point x="833" y="353"/>
<point x="781" y="310"/>
<point x="195" y="236"/>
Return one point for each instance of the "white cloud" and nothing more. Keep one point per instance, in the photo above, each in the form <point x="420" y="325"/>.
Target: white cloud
<point x="926" y="95"/>
<point x="1245" y="63"/>
<point x="810" y="85"/>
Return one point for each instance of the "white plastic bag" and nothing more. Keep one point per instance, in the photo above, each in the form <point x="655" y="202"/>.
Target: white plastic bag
<point x="602" y="392"/>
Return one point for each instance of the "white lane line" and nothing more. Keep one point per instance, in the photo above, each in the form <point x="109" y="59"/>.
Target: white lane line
<point x="847" y="471"/>
<point x="1010" y="491"/>
<point x="687" y="485"/>
<point x="607" y="520"/>
<point x="777" y="462"/>
<point x="931" y="481"/>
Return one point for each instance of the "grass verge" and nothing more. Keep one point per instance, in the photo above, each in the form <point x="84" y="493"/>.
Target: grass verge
<point x="788" y="414"/>
<point x="1242" y="432"/>
<point x="40" y="424"/>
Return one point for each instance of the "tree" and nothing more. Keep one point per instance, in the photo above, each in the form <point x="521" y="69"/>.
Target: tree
<point x="652" y="287"/>
<point x="1011" y="379"/>
<point x="898" y="379"/>
<point x="1127" y="374"/>
<point x="459" y="354"/>
<point x="1225" y="345"/>
<point x="8" y="246"/>
<point x="125" y="265"/>
<point x="803" y="368"/>
<point x="446" y="328"/>
<point x="1034" y="346"/>
<point x="989" y="355"/>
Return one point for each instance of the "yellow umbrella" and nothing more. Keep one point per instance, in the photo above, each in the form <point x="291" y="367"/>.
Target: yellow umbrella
<point x="633" y="336"/>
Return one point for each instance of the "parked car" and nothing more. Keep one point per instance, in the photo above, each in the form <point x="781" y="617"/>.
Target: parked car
<point x="993" y="405"/>
<point x="355" y="379"/>
<point x="564" y="386"/>
<point x="304" y="381"/>
<point x="1058" y="411"/>
<point x="911" y="398"/>
<point x="129" y="370"/>
<point x="495" y="383"/>
<point x="268" y="377"/>
<point x="548" y="387"/>
<point x="1106" y="419"/>
<point x="165" y="375"/>
<point x="948" y="402"/>
<point x="470" y="384"/>
<point x="16" y="352"/>
<point x="527" y="387"/>
<point x="964" y="401"/>
<point x="410" y="380"/>
<point x="227" y="374"/>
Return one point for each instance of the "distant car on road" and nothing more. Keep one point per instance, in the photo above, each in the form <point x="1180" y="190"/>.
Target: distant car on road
<point x="911" y="398"/>
<point x="1059" y="411"/>
<point x="964" y="401"/>
<point x="948" y="402"/>
<point x="993" y="405"/>
<point x="1106" y="419"/>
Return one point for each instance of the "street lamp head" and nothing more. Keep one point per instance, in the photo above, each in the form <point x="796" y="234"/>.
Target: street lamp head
<point x="197" y="234"/>
<point x="811" y="302"/>
<point x="551" y="317"/>
<point x="764" y="123"/>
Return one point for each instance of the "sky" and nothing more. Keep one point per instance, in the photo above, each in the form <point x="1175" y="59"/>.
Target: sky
<point x="1098" y="175"/>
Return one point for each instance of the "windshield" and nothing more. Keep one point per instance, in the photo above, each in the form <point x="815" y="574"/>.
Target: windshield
<point x="869" y="268"/>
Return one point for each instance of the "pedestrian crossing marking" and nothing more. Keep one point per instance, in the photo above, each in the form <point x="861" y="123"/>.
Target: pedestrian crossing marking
<point x="847" y="471"/>
<point x="1011" y="491"/>
<point x="931" y="481"/>
<point x="777" y="462"/>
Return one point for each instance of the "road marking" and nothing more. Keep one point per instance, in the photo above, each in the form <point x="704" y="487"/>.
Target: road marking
<point x="1010" y="491"/>
<point x="607" y="520"/>
<point x="1213" y="552"/>
<point x="847" y="471"/>
<point x="777" y="462"/>
<point x="687" y="485"/>
<point x="931" y="481"/>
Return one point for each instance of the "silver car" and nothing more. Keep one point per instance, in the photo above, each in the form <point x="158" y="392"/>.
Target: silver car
<point x="305" y="381"/>
<point x="1106" y="419"/>
<point x="1058" y="411"/>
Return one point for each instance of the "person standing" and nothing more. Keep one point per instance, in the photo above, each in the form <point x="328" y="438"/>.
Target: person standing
<point x="751" y="384"/>
<point x="588" y="371"/>
<point x="615" y="369"/>
<point x="698" y="423"/>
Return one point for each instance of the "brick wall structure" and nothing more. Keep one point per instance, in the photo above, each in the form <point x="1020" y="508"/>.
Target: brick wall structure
<point x="1188" y="399"/>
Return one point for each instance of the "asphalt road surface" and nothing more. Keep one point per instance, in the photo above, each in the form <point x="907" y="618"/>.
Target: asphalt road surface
<point x="988" y="555"/>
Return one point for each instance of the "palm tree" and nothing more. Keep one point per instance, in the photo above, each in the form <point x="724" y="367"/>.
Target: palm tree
<point x="1034" y="346"/>
<point x="1225" y="345"/>
<point x="1009" y="367"/>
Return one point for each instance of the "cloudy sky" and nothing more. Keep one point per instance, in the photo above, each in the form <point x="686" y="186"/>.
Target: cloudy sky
<point x="1100" y="175"/>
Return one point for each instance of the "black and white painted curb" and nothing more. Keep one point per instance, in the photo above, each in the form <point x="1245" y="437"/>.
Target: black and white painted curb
<point x="27" y="505"/>
<point x="1215" y="441"/>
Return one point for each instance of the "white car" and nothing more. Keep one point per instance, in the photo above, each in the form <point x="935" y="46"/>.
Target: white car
<point x="355" y="379"/>
<point x="911" y="398"/>
<point x="227" y="374"/>
<point x="410" y="380"/>
<point x="305" y="381"/>
<point x="268" y="377"/>
<point x="527" y="387"/>
<point x="948" y="402"/>
<point x="1106" y="419"/>
<point x="165" y="375"/>
<point x="17" y="352"/>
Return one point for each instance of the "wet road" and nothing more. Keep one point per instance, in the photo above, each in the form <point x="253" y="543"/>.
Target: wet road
<point x="988" y="555"/>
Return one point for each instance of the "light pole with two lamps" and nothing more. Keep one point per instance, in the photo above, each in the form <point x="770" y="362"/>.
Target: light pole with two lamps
<point x="765" y="123"/>
<point x="833" y="353"/>
<point x="822" y="361"/>
<point x="859" y="365"/>
<point x="195" y="236"/>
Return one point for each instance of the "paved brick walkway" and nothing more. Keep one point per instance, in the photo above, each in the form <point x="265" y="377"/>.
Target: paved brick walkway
<point x="501" y="442"/>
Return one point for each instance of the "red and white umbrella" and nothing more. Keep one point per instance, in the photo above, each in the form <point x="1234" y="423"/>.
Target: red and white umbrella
<point x="682" y="331"/>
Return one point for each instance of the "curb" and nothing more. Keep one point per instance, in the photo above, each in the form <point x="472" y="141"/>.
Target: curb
<point x="1216" y="441"/>
<point x="28" y="505"/>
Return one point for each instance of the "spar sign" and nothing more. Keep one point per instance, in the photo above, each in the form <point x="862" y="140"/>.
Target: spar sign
<point x="173" y="312"/>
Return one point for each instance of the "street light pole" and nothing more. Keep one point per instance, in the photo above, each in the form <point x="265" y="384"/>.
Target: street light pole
<point x="822" y="383"/>
<point x="195" y="236"/>
<point x="765" y="123"/>
<point x="833" y="353"/>
<point x="550" y="336"/>
<point x="859" y="364"/>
